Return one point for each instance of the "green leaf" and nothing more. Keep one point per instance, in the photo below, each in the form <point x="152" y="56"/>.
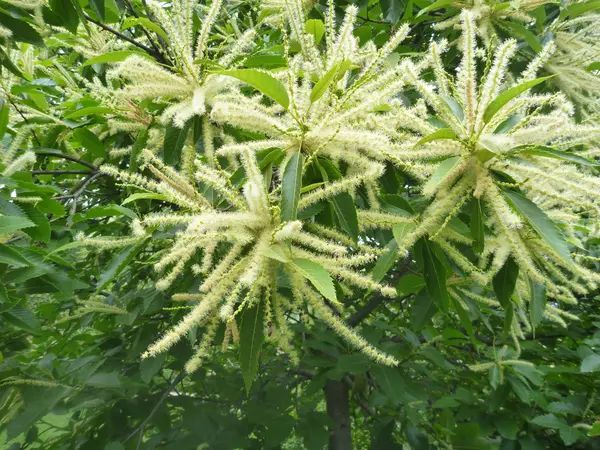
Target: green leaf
<point x="146" y="23"/>
<point x="416" y="438"/>
<point x="443" y="169"/>
<point x="112" y="57"/>
<point x="505" y="280"/>
<point x="41" y="232"/>
<point x="591" y="363"/>
<point x="22" y="318"/>
<point x="290" y="187"/>
<point x="21" y="30"/>
<point x="173" y="143"/>
<point x="410" y="284"/>
<point x="593" y="66"/>
<point x="316" y="28"/>
<point x="423" y="309"/>
<point x="506" y="426"/>
<point x="345" y="211"/>
<point x="385" y="261"/>
<point x="595" y="430"/>
<point x="317" y="275"/>
<point x="278" y="253"/>
<point x="391" y="382"/>
<point x="392" y="10"/>
<point x="138" y="146"/>
<point x="442" y="133"/>
<point x="323" y="84"/>
<point x="143" y="196"/>
<point x="10" y="224"/>
<point x="118" y="263"/>
<point x="549" y="421"/>
<point x="435" y="277"/>
<point x="400" y="231"/>
<point x="519" y="31"/>
<point x="438" y="4"/>
<point x="98" y="7"/>
<point x="502" y="99"/>
<point x="265" y="61"/>
<point x="66" y="13"/>
<point x="550" y="152"/>
<point x="104" y="380"/>
<point x="262" y="81"/>
<point x="8" y="255"/>
<point x="252" y="335"/>
<point x="538" y="219"/>
<point x="89" y="111"/>
<point x="465" y="320"/>
<point x="579" y="8"/>
<point x="477" y="226"/>
<point x="537" y="304"/>
<point x="354" y="363"/>
<point x="3" y="119"/>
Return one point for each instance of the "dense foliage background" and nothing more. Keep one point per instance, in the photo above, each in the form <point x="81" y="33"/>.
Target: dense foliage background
<point x="74" y="320"/>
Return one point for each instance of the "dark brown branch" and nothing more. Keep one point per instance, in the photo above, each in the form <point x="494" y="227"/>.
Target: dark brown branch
<point x="61" y="172"/>
<point x="338" y="410"/>
<point x="140" y="428"/>
<point x="122" y="36"/>
<point x="67" y="157"/>
<point x="383" y="22"/>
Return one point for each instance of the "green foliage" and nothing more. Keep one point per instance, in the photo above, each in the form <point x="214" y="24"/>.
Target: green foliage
<point x="384" y="203"/>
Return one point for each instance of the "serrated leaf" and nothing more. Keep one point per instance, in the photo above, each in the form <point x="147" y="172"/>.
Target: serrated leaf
<point x="317" y="275"/>
<point x="385" y="261"/>
<point x="477" y="226"/>
<point x="146" y="23"/>
<point x="495" y="105"/>
<point x="591" y="363"/>
<point x="89" y="111"/>
<point x="98" y="7"/>
<point x="323" y="84"/>
<point x="505" y="280"/>
<point x="443" y="169"/>
<point x="410" y="284"/>
<point x="550" y="152"/>
<point x="442" y="133"/>
<point x="10" y="224"/>
<point x="578" y="8"/>
<point x="173" y="143"/>
<point x="112" y="57"/>
<point x="143" y="196"/>
<point x="4" y="111"/>
<point x="316" y="28"/>
<point x="438" y="4"/>
<point x="41" y="232"/>
<point x="21" y="30"/>
<point x="435" y="277"/>
<point x="345" y="211"/>
<point x="538" y="219"/>
<point x="263" y="82"/>
<point x="400" y="231"/>
<point x="537" y="303"/>
<point x="291" y="186"/>
<point x="10" y="256"/>
<point x="251" y="339"/>
<point x="22" y="318"/>
<point x="549" y="421"/>
<point x="278" y="253"/>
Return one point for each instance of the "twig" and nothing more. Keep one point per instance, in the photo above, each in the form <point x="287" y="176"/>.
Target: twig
<point x="67" y="157"/>
<point x="366" y="19"/>
<point x="140" y="428"/>
<point x="61" y="172"/>
<point x="121" y="35"/>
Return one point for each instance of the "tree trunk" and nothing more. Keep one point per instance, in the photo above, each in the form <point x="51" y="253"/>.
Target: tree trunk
<point x="338" y="408"/>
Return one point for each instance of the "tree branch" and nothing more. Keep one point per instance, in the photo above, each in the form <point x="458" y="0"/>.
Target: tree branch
<point x="122" y="36"/>
<point x="61" y="172"/>
<point x="67" y="157"/>
<point x="140" y="428"/>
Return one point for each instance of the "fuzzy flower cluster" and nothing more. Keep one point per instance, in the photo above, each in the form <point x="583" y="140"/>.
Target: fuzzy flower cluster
<point x="498" y="149"/>
<point x="510" y="155"/>
<point x="252" y="243"/>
